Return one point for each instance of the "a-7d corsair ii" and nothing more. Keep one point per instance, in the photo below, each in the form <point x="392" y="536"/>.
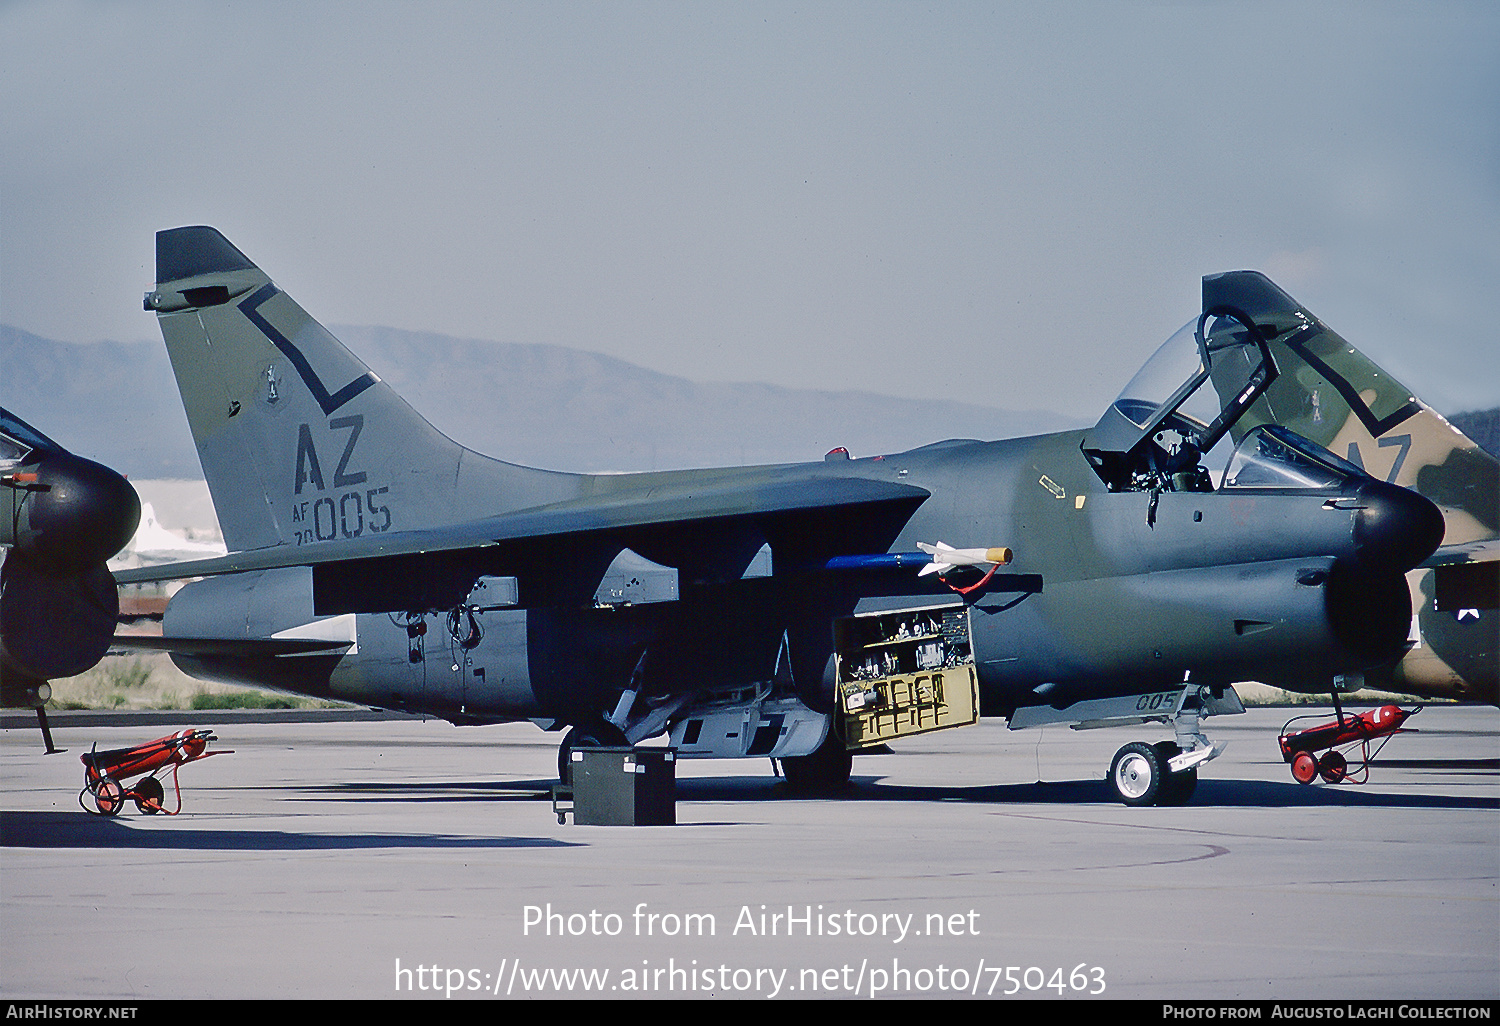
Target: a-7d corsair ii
<point x="1183" y="543"/>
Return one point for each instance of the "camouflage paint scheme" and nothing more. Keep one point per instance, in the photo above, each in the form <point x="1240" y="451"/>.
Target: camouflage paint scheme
<point x="1334" y="395"/>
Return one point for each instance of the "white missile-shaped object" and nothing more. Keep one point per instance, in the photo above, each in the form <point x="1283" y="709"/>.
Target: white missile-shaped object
<point x="945" y="557"/>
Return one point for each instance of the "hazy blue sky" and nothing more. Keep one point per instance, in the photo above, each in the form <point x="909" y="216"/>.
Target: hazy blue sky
<point x="1005" y="203"/>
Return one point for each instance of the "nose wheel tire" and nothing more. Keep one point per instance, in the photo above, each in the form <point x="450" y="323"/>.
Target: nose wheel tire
<point x="1176" y="788"/>
<point x="1140" y="775"/>
<point x="825" y="771"/>
<point x="1137" y="774"/>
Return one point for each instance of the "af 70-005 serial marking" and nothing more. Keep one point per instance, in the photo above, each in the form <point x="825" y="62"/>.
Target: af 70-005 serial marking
<point x="340" y="516"/>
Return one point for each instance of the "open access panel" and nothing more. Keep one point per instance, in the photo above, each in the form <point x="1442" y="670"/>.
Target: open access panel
<point x="904" y="672"/>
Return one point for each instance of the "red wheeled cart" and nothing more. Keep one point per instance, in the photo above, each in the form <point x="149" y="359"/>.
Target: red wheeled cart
<point x="1300" y="747"/>
<point x="104" y="773"/>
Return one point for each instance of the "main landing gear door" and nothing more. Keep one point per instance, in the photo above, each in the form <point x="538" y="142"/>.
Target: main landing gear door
<point x="903" y="673"/>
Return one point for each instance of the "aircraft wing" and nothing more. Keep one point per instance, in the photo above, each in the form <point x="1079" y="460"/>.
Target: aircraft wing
<point x="619" y="512"/>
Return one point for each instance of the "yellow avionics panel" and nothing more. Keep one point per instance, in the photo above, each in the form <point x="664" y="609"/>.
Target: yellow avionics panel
<point x="904" y="672"/>
<point x="880" y="710"/>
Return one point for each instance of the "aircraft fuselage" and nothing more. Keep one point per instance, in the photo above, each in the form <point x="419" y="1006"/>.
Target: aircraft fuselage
<point x="1132" y="589"/>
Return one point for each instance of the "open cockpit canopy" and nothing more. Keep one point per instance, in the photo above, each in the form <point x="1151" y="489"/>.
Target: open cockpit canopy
<point x="1192" y="402"/>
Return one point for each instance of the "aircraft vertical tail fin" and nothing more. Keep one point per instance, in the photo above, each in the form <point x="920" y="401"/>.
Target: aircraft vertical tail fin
<point x="300" y="442"/>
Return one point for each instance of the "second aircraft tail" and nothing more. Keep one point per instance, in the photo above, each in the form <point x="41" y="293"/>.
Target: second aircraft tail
<point x="1332" y="393"/>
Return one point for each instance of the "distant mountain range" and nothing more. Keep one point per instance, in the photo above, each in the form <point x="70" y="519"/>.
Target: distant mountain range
<point x="538" y="405"/>
<point x="1483" y="427"/>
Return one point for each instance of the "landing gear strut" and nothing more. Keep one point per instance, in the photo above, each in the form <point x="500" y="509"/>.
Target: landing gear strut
<point x="1165" y="773"/>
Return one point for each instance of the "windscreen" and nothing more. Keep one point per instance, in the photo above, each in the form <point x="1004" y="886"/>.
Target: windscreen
<point x="1273" y="457"/>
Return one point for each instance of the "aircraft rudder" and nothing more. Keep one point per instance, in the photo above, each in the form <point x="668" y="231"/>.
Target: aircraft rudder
<point x="192" y="250"/>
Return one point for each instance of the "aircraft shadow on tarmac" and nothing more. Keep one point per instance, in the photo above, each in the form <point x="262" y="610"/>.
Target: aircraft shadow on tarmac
<point x="21" y="829"/>
<point x="1210" y="793"/>
<point x="80" y="830"/>
<point x="435" y="791"/>
<point x="1221" y="793"/>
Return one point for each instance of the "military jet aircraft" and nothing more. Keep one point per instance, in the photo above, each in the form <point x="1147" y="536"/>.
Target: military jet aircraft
<point x="1125" y="574"/>
<point x="61" y="518"/>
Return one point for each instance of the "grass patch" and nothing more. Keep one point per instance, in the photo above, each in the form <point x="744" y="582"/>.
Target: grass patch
<point x="242" y="700"/>
<point x="125" y="674"/>
<point x="1264" y="696"/>
<point x="153" y="682"/>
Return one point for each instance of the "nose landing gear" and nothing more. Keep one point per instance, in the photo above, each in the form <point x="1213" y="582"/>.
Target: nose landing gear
<point x="1166" y="773"/>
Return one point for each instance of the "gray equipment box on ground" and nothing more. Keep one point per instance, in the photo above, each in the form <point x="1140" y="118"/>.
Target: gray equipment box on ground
<point x="623" y="787"/>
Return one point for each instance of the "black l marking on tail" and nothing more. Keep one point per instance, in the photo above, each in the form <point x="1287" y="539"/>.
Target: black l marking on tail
<point x="329" y="402"/>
